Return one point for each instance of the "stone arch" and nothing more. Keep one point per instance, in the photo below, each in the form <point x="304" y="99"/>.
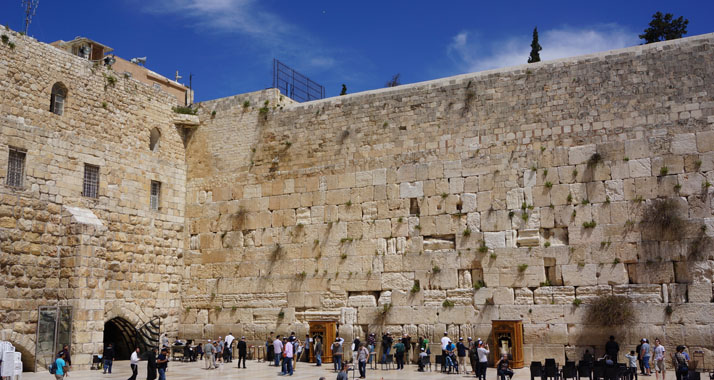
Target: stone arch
<point x="26" y="346"/>
<point x="123" y="335"/>
<point x="154" y="139"/>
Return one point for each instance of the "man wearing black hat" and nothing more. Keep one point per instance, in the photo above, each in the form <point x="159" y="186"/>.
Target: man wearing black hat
<point x="242" y="351"/>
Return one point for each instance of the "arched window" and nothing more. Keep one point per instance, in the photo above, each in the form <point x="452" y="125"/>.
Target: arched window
<point x="154" y="139"/>
<point x="59" y="94"/>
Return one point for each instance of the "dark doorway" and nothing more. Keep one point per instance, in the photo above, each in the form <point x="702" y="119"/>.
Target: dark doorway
<point x="123" y="337"/>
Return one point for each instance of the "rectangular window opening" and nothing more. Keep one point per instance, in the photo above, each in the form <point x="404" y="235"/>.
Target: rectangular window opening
<point x="91" y="181"/>
<point x="155" y="194"/>
<point x="413" y="206"/>
<point x="16" y="167"/>
<point x="57" y="104"/>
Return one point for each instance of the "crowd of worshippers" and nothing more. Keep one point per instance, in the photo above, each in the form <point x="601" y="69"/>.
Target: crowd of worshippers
<point x="285" y="351"/>
<point x="649" y="358"/>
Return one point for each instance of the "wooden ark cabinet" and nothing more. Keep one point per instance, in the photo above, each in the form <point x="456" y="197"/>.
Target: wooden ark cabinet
<point x="507" y="337"/>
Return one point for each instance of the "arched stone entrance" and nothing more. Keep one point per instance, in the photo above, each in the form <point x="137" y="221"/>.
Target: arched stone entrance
<point x="122" y="335"/>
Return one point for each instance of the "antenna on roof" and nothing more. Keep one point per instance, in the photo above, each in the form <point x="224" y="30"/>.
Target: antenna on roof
<point x="30" y="9"/>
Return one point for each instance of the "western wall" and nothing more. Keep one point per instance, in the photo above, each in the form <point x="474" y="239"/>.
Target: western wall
<point x="512" y="194"/>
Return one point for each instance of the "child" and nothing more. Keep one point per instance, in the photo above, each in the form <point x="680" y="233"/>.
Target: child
<point x="632" y="364"/>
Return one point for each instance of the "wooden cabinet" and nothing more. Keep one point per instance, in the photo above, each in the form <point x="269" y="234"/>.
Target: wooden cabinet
<point x="327" y="332"/>
<point x="507" y="337"/>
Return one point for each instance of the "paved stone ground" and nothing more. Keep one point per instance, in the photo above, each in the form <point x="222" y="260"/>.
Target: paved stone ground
<point x="185" y="371"/>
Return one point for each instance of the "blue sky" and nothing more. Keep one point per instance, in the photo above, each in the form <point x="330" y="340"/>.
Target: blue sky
<point x="229" y="44"/>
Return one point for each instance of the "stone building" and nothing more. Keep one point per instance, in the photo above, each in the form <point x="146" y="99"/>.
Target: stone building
<point x="526" y="193"/>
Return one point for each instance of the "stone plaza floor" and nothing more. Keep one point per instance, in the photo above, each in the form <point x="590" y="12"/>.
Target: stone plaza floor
<point x="255" y="370"/>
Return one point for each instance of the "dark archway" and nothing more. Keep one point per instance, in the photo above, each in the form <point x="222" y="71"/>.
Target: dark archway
<point x="122" y="335"/>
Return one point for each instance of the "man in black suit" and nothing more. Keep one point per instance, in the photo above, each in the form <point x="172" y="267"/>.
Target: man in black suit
<point x="242" y="351"/>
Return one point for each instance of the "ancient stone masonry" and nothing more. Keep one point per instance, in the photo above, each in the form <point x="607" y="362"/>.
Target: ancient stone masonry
<point x="524" y="193"/>
<point x="439" y="206"/>
<point x="109" y="256"/>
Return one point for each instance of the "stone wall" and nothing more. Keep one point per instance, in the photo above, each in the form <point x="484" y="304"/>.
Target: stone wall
<point x="107" y="257"/>
<point x="507" y="194"/>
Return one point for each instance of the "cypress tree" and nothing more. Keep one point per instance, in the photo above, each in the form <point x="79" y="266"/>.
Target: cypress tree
<point x="535" y="48"/>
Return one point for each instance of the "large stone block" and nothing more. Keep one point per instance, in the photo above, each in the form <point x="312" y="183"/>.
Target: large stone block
<point x="579" y="275"/>
<point x="581" y="154"/>
<point x="411" y="190"/>
<point x="651" y="273"/>
<point x="684" y="143"/>
<point x="397" y="280"/>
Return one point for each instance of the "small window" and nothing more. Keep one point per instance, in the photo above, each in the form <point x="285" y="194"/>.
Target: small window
<point x="154" y="139"/>
<point x="413" y="206"/>
<point x="59" y="94"/>
<point x="155" y="194"/>
<point x="15" y="167"/>
<point x="91" y="181"/>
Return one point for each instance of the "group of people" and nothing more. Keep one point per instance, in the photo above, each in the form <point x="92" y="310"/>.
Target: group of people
<point x="648" y="356"/>
<point x="286" y="352"/>
<point x="221" y="351"/>
<point x="454" y="355"/>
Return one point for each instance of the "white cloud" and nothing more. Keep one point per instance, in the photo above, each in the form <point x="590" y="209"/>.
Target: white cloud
<point x="264" y="30"/>
<point x="471" y="54"/>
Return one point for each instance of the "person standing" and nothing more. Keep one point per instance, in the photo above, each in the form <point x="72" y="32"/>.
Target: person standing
<point x="386" y="346"/>
<point x="306" y="354"/>
<point x="461" y="354"/>
<point x="318" y="351"/>
<point x="355" y="346"/>
<point x="277" y="350"/>
<point x="483" y="352"/>
<point x="362" y="356"/>
<point x="646" y="357"/>
<point x="210" y="351"/>
<point x="289" y="354"/>
<point x="399" y="354"/>
<point x="681" y="363"/>
<point x="473" y="357"/>
<point x="444" y="343"/>
<point x="67" y="357"/>
<point x="337" y="355"/>
<point x="219" y="349"/>
<point x="242" y="351"/>
<point x="407" y="341"/>
<point x="229" y="347"/>
<point x="108" y="358"/>
<point x="162" y="363"/>
<point x="632" y="365"/>
<point x="269" y="354"/>
<point x="62" y="367"/>
<point x="612" y="348"/>
<point x="283" y="367"/>
<point x="659" y="359"/>
<point x="134" y="363"/>
<point x="638" y="351"/>
<point x="151" y="364"/>
<point x="371" y="344"/>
